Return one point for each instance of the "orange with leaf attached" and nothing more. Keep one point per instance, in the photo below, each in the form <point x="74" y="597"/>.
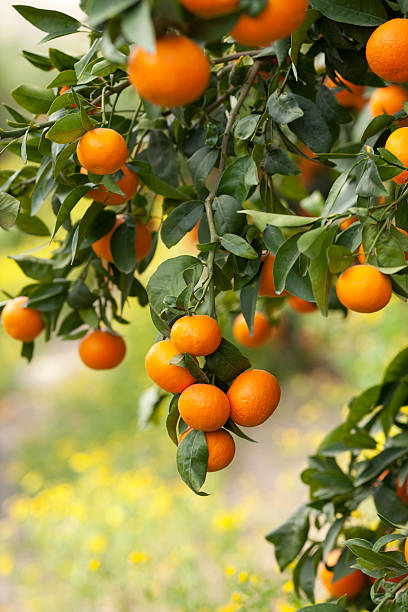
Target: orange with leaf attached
<point x="221" y="448"/>
<point x="350" y="585"/>
<point x="171" y="378"/>
<point x="143" y="241"/>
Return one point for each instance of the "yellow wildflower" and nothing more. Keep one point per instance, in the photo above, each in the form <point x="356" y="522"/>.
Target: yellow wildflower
<point x="288" y="586"/>
<point x="230" y="570"/>
<point x="6" y="564"/>
<point x="94" y="565"/>
<point x="138" y="557"/>
<point x="243" y="577"/>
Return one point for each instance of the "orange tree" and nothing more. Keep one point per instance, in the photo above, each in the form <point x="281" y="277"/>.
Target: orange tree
<point x="249" y="123"/>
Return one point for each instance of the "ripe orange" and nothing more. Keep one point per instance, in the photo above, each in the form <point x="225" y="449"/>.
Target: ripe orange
<point x="143" y="241"/>
<point x="402" y="490"/>
<point x="364" y="289"/>
<point x="171" y="378"/>
<point x="300" y="305"/>
<point x="21" y="323"/>
<point x="204" y="407"/>
<point x="278" y="20"/>
<point x="102" y="350"/>
<point x="254" y="396"/>
<point x="349" y="99"/>
<point x="102" y="151"/>
<point x="351" y="585"/>
<point x="210" y="8"/>
<point x="221" y="448"/>
<point x="387" y="51"/>
<point x="388" y="100"/>
<point x="347" y="222"/>
<point x="197" y="335"/>
<point x="397" y="144"/>
<point x="176" y="74"/>
<point x="261" y="332"/>
<point x="128" y="184"/>
<point x="267" y="286"/>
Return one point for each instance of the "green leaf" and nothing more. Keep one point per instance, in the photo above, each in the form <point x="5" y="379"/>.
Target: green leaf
<point x="84" y="226"/>
<point x="63" y="157"/>
<point x="67" y="77"/>
<point x="263" y="219"/>
<point x="290" y="537"/>
<point x="52" y="22"/>
<point x="68" y="204"/>
<point x="35" y="99"/>
<point x="62" y="61"/>
<point x="211" y="30"/>
<point x="226" y="217"/>
<point x="311" y="243"/>
<point x="340" y="258"/>
<point x="9" y="207"/>
<point x="238" y="246"/>
<point x="80" y="297"/>
<point x="123" y="247"/>
<point x="331" y="110"/>
<point x="161" y="188"/>
<point x="356" y="12"/>
<point x="278" y="162"/>
<point x="398" y="368"/>
<point x="180" y="221"/>
<point x="284" y="108"/>
<point x="82" y="64"/>
<point x="370" y="183"/>
<point x="33" y="267"/>
<point x="238" y="178"/>
<point x="31" y="225"/>
<point x="100" y="11"/>
<point x="42" y="62"/>
<point x="227" y="362"/>
<point x="248" y="300"/>
<point x="378" y="124"/>
<point x="285" y="259"/>
<point x="27" y="350"/>
<point x="319" y="272"/>
<point x="192" y="459"/>
<point x="173" y="419"/>
<point x="311" y="128"/>
<point x="200" y="165"/>
<point x="233" y="427"/>
<point x="68" y="129"/>
<point x="325" y="607"/>
<point x="137" y="26"/>
<point x="246" y="127"/>
<point x="169" y="280"/>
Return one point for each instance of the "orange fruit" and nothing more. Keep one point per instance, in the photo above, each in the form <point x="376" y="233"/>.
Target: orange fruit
<point x="361" y="255"/>
<point x="254" y="396"/>
<point x="171" y="378"/>
<point x="278" y="20"/>
<point x="204" y="407"/>
<point x="19" y="322"/>
<point x="309" y="169"/>
<point x="221" y="448"/>
<point x="102" y="350"/>
<point x="261" y="332"/>
<point x="351" y="585"/>
<point x="364" y="289"/>
<point x="197" y="335"/>
<point x="143" y="241"/>
<point x="102" y="151"/>
<point x="397" y="144"/>
<point x="347" y="222"/>
<point x="267" y="286"/>
<point x="387" y="51"/>
<point x="128" y="184"/>
<point x="402" y="490"/>
<point x="210" y="8"/>
<point x="175" y="75"/>
<point x="388" y="100"/>
<point x="349" y="99"/>
<point x="300" y="305"/>
<point x="63" y="90"/>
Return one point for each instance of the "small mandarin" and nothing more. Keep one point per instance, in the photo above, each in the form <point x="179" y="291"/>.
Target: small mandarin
<point x="102" y="151"/>
<point x="198" y="335"/>
<point x="387" y="51"/>
<point x="221" y="448"/>
<point x="278" y="20"/>
<point x="364" y="289"/>
<point x="352" y="96"/>
<point x="351" y="585"/>
<point x="300" y="305"/>
<point x="176" y="74"/>
<point x="102" y="350"/>
<point x="261" y="333"/>
<point x="128" y="184"/>
<point x="171" y="378"/>
<point x="210" y="8"/>
<point x="347" y="223"/>
<point x="402" y="490"/>
<point x="267" y="286"/>
<point x="387" y="100"/>
<point x="143" y="241"/>
<point x="254" y="396"/>
<point x="204" y="407"/>
<point x="397" y="144"/>
<point x="19" y="322"/>
<point x="361" y="254"/>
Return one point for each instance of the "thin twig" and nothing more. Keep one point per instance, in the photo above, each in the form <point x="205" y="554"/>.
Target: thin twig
<point x="234" y="56"/>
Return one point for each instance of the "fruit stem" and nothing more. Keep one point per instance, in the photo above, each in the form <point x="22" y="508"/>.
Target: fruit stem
<point x="234" y="56"/>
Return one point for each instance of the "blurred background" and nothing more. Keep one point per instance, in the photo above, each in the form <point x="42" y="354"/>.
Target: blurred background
<point x="93" y="514"/>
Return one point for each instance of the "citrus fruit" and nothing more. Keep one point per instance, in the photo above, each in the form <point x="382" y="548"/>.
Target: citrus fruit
<point x="261" y="332"/>
<point x="221" y="448"/>
<point x="350" y="585"/>
<point x="361" y="254"/>
<point x="363" y="289"/>
<point x="388" y="100"/>
<point x="387" y="51"/>
<point x="204" y="407"/>
<point x="278" y="20"/>
<point x="402" y="490"/>
<point x="171" y="378"/>
<point x="397" y="144"/>
<point x="267" y="286"/>
<point x="128" y="184"/>
<point x="176" y="74"/>
<point x="19" y="322"/>
<point x="102" y="151"/>
<point x="102" y="350"/>
<point x="254" y="396"/>
<point x="352" y="96"/>
<point x="143" y="241"/>
<point x="347" y="223"/>
<point x="197" y="335"/>
<point x="210" y="8"/>
<point x="300" y="305"/>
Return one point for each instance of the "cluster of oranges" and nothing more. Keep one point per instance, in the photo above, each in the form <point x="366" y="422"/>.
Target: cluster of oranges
<point x="250" y="400"/>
